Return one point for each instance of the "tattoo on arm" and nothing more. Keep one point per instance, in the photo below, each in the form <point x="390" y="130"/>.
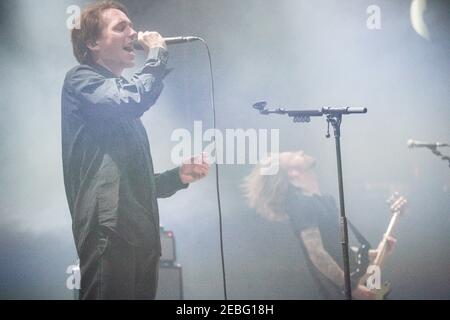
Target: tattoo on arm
<point x="320" y="257"/>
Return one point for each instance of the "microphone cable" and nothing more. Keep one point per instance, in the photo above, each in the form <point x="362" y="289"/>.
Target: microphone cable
<point x="213" y="106"/>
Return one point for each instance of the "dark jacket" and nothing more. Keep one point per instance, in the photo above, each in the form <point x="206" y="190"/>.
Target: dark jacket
<point x="108" y="169"/>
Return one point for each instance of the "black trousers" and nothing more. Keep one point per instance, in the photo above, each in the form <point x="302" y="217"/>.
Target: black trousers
<point x="112" y="269"/>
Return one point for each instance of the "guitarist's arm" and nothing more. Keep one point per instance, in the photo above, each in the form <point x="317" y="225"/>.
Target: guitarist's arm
<point x="326" y="264"/>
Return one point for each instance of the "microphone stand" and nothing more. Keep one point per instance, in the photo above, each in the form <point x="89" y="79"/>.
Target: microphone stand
<point x="439" y="154"/>
<point x="334" y="117"/>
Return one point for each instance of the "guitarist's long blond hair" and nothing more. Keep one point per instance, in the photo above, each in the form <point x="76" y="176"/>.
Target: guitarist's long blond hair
<point x="267" y="193"/>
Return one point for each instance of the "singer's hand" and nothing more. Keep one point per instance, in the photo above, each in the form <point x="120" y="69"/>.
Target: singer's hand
<point x="151" y="39"/>
<point x="194" y="169"/>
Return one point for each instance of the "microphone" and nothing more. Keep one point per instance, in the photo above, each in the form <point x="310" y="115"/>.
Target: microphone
<point x="343" y="110"/>
<point x="171" y="40"/>
<point x="419" y="144"/>
<point x="260" y="105"/>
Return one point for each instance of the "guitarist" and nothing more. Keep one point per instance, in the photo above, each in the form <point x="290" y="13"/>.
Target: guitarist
<point x="293" y="194"/>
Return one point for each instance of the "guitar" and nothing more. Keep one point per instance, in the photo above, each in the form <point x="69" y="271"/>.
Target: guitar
<point x="397" y="206"/>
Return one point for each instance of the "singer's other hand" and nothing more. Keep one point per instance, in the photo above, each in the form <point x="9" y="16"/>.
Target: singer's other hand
<point x="151" y="39"/>
<point x="194" y="169"/>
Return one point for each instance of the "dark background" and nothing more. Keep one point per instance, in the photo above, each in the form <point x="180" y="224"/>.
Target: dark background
<point x="294" y="54"/>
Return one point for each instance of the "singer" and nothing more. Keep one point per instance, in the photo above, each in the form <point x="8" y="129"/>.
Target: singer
<point x="109" y="179"/>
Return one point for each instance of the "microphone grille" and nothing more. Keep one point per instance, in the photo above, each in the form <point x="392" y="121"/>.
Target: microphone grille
<point x="137" y="45"/>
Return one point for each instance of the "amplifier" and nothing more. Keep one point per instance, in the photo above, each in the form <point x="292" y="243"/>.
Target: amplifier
<point x="170" y="284"/>
<point x="167" y="245"/>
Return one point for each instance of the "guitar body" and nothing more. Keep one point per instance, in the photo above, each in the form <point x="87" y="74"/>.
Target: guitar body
<point x="359" y="267"/>
<point x="398" y="204"/>
<point x="382" y="293"/>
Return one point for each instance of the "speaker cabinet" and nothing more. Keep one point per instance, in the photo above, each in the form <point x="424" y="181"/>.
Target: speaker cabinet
<point x="167" y="246"/>
<point x="170" y="284"/>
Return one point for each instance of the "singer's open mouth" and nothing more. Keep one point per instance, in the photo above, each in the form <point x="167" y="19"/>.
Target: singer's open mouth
<point x="129" y="48"/>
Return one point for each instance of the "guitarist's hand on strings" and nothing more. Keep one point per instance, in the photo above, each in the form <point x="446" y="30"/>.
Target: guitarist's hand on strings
<point x="391" y="241"/>
<point x="390" y="245"/>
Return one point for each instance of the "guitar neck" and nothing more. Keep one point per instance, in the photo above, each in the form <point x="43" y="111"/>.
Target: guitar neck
<point x="382" y="248"/>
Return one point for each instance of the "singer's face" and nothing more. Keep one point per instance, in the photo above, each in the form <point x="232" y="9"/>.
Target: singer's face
<point x="114" y="47"/>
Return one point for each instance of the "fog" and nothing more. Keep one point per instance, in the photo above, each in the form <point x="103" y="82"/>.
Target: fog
<point x="294" y="54"/>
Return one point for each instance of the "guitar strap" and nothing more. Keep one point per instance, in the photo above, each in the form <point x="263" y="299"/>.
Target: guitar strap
<point x="362" y="255"/>
<point x="361" y="239"/>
